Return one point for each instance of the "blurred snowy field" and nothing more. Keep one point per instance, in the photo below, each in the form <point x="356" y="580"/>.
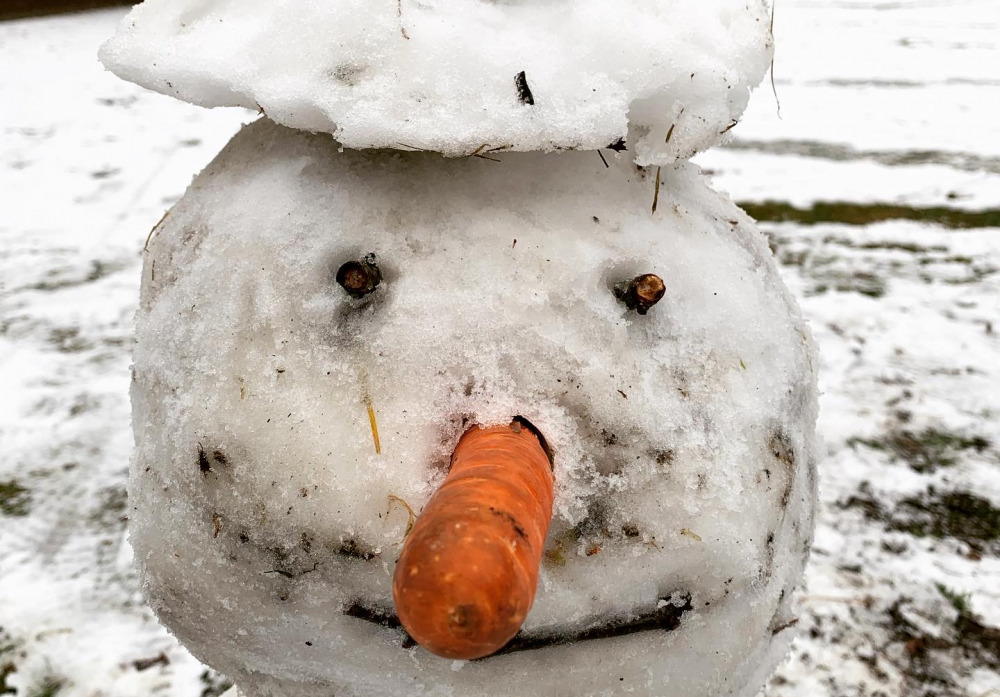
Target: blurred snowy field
<point x="878" y="186"/>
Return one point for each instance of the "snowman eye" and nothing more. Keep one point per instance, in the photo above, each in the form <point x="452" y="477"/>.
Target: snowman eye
<point x="641" y="292"/>
<point x="360" y="277"/>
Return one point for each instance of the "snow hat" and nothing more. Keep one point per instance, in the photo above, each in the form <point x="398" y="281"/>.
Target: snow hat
<point x="662" y="78"/>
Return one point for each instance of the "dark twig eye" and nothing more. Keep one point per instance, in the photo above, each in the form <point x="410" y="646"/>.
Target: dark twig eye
<point x="359" y="278"/>
<point x="640" y="293"/>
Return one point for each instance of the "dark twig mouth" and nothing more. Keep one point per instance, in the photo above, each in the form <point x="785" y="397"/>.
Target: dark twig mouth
<point x="664" y="616"/>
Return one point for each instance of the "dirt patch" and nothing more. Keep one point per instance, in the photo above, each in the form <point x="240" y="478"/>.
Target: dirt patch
<point x="930" y="658"/>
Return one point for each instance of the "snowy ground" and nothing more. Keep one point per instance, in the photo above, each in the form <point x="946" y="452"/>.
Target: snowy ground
<point x="879" y="188"/>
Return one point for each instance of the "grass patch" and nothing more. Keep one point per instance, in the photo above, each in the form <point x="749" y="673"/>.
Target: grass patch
<point x="886" y="245"/>
<point x="98" y="270"/>
<point x="960" y="515"/>
<point x="861" y="282"/>
<point x="927" y="450"/>
<point x="48" y="687"/>
<point x="15" y="500"/>
<point x="111" y="507"/>
<point x="933" y="659"/>
<point x="959" y="601"/>
<point x="214" y="684"/>
<point x="847" y="213"/>
<point x="901" y="247"/>
<point x="866" y="503"/>
<point x="68" y="340"/>
<point x="7" y="667"/>
<point x="966" y="162"/>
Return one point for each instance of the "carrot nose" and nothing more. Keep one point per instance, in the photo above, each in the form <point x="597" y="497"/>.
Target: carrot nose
<point x="467" y="575"/>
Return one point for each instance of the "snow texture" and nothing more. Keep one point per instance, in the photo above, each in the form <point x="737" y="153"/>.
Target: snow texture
<point x="267" y="526"/>
<point x="905" y="314"/>
<point x="669" y="77"/>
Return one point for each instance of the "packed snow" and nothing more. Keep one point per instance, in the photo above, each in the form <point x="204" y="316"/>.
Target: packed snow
<point x="667" y="77"/>
<point x="223" y="349"/>
<point x="881" y="103"/>
<point x="263" y="515"/>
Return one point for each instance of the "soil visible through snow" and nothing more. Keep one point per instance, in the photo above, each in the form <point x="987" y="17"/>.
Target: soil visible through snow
<point x="878" y="187"/>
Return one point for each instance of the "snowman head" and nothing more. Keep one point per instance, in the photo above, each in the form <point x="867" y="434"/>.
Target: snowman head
<point x="268" y="520"/>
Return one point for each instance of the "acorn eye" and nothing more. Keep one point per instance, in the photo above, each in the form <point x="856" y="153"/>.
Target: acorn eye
<point x="640" y="293"/>
<point x="359" y="278"/>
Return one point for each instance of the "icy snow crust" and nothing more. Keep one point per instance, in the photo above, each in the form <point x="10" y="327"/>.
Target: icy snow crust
<point x="668" y="76"/>
<point x="263" y="520"/>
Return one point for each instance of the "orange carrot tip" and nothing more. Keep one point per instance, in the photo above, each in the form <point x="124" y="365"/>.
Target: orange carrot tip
<point x="467" y="575"/>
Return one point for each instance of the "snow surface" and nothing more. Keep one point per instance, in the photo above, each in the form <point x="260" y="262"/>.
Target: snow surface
<point x="683" y="439"/>
<point x="670" y="77"/>
<point x="881" y="103"/>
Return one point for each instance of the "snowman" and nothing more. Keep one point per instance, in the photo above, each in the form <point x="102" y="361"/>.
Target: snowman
<point x="452" y="374"/>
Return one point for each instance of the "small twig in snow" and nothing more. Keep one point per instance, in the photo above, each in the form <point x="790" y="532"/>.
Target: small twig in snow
<point x="524" y="94"/>
<point x="478" y="152"/>
<point x="773" y="48"/>
<point x="374" y="425"/>
<point x="145" y="247"/>
<point x="656" y="190"/>
<point x="399" y="13"/>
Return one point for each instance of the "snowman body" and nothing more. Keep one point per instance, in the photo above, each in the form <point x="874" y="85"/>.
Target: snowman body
<point x="266" y="523"/>
<point x="287" y="431"/>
